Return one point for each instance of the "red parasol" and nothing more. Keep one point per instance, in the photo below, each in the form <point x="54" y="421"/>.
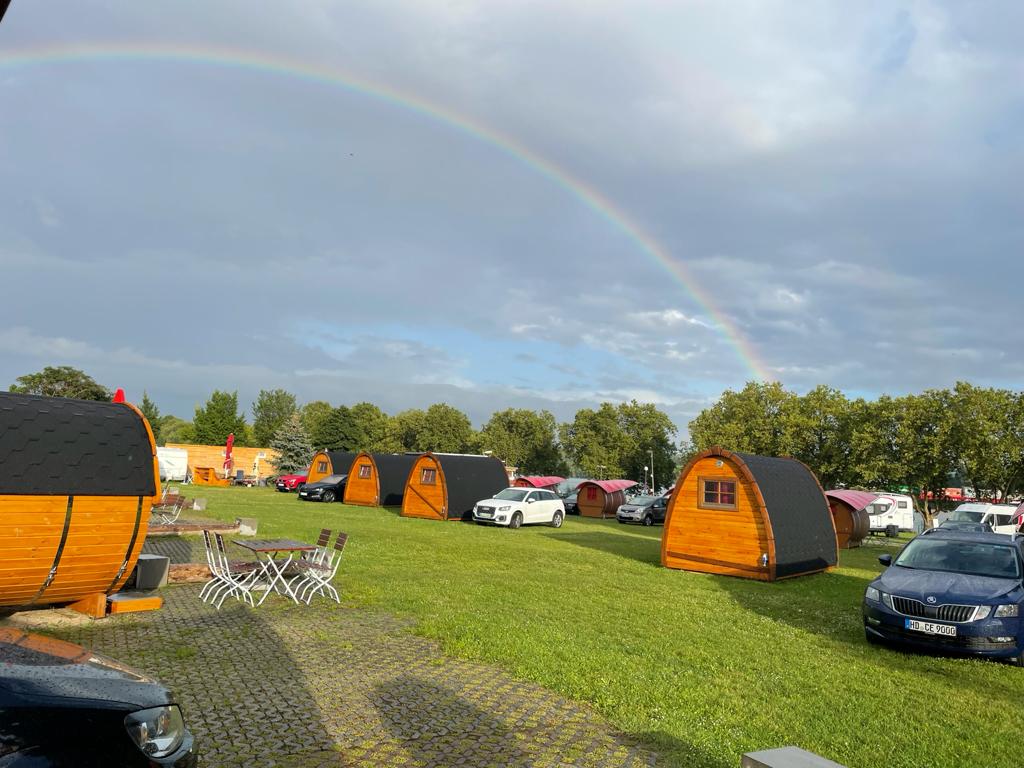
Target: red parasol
<point x="227" y="454"/>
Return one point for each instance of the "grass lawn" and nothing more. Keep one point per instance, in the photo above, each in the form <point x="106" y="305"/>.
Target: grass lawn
<point x="703" y="668"/>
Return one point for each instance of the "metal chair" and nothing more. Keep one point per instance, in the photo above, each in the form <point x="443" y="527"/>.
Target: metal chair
<point x="319" y="576"/>
<point x="240" y="577"/>
<point x="169" y="513"/>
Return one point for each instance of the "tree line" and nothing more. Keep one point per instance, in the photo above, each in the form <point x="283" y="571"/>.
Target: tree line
<point x="606" y="442"/>
<point x="965" y="436"/>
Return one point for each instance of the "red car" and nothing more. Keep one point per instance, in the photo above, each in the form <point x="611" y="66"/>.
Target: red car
<point x="287" y="483"/>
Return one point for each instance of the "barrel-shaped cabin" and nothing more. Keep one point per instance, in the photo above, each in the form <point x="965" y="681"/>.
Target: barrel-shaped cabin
<point x="850" y="516"/>
<point x="739" y="514"/>
<point x="378" y="479"/>
<point x="326" y="463"/>
<point x="445" y="486"/>
<point x="547" y="482"/>
<point x="77" y="481"/>
<point x="601" y="498"/>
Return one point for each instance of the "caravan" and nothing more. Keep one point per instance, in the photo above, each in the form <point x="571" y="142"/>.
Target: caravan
<point x="999" y="516"/>
<point x="173" y="463"/>
<point x="891" y="513"/>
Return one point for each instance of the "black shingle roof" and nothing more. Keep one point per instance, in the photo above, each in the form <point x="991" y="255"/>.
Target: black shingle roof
<point x="392" y="472"/>
<point x="55" y="446"/>
<point x="805" y="537"/>
<point x="470" y="479"/>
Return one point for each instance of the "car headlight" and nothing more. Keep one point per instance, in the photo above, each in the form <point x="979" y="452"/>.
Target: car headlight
<point x="158" y="732"/>
<point x="1007" y="611"/>
<point x="872" y="594"/>
<point x="504" y="509"/>
<point x="982" y="612"/>
<point x="887" y="599"/>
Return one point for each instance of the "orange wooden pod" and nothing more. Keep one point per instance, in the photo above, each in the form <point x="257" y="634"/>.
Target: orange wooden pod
<point x="757" y="517"/>
<point x="445" y="486"/>
<point x="326" y="463"/>
<point x="378" y="479"/>
<point x="601" y="498"/>
<point x="77" y="482"/>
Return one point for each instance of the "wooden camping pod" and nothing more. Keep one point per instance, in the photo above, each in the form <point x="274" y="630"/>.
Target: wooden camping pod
<point x="757" y="517"/>
<point x="548" y="482"/>
<point x="445" y="486"/>
<point x="326" y="463"/>
<point x="378" y="479"/>
<point x="850" y="515"/>
<point x="601" y="498"/>
<point x="77" y="481"/>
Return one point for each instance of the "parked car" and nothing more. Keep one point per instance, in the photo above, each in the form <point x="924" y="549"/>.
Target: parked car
<point x="646" y="510"/>
<point x="331" y="488"/>
<point x="951" y="591"/>
<point x="514" y="507"/>
<point x="287" y="483"/>
<point x="998" y="516"/>
<point x="569" y="502"/>
<point x="956" y="525"/>
<point x="64" y="706"/>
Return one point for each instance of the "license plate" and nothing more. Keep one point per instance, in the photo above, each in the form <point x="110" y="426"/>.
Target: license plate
<point x="929" y="628"/>
<point x="303" y="493"/>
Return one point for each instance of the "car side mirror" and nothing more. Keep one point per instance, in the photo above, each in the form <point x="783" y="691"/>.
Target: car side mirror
<point x="530" y="501"/>
<point x="885" y="560"/>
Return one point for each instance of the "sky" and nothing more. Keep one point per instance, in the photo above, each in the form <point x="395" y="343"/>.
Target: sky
<point x="511" y="204"/>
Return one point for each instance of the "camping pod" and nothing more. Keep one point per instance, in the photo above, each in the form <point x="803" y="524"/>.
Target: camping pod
<point x="850" y="516"/>
<point x="77" y="481"/>
<point x="601" y="498"/>
<point x="548" y="483"/>
<point x="327" y="463"/>
<point x="378" y="479"/>
<point x="757" y="517"/>
<point x="445" y="486"/>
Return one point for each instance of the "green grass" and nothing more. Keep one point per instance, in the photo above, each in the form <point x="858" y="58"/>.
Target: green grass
<point x="703" y="668"/>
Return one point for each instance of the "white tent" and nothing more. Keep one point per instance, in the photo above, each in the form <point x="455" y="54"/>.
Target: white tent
<point x="173" y="463"/>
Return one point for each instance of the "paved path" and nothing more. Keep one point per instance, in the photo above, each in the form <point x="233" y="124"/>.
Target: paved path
<point x="336" y="686"/>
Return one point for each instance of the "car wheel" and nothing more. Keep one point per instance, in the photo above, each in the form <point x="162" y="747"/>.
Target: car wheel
<point x="516" y="521"/>
<point x="556" y="521"/>
<point x="648" y="520"/>
<point x="328" y="496"/>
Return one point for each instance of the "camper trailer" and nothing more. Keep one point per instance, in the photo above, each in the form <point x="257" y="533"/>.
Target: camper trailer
<point x="173" y="463"/>
<point x="891" y="513"/>
<point x="999" y="516"/>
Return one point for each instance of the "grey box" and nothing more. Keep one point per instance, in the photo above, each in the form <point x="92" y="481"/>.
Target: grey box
<point x="151" y="571"/>
<point x="246" y="525"/>
<point x="785" y="757"/>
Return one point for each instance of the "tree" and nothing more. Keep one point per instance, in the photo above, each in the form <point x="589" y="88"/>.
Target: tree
<point x="988" y="430"/>
<point x="219" y="418"/>
<point x="750" y="420"/>
<point x="596" y="443"/>
<point x="816" y="429"/>
<point x="444" y="429"/>
<point x="524" y="439"/>
<point x="294" y="451"/>
<point x="925" y="440"/>
<point x="62" y="381"/>
<point x="403" y="431"/>
<point x="648" y="430"/>
<point x="152" y="414"/>
<point x="313" y="414"/>
<point x="371" y="427"/>
<point x="272" y="409"/>
<point x="337" y="432"/>
<point x="175" y="430"/>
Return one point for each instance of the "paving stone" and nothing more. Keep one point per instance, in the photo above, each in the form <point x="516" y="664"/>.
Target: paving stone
<point x="336" y="686"/>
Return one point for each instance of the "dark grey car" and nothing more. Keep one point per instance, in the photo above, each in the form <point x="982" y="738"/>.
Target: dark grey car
<point x="646" y="510"/>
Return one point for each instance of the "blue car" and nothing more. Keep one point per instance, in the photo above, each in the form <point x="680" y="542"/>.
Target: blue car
<point x="957" y="592"/>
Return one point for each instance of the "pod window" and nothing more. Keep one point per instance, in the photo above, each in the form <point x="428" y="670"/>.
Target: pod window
<point x="364" y="471"/>
<point x="717" y="493"/>
<point x="428" y="477"/>
<point x="321" y="466"/>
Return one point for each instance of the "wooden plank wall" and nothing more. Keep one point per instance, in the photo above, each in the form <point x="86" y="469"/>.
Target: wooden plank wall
<point x="244" y="458"/>
<point x="720" y="541"/>
<point x="362" y="490"/>
<point x="427" y="501"/>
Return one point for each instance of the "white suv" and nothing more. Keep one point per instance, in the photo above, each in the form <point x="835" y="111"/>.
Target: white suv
<point x="515" y="506"/>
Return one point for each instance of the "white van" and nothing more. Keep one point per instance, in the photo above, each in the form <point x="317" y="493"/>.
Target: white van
<point x="999" y="516"/>
<point x="891" y="513"/>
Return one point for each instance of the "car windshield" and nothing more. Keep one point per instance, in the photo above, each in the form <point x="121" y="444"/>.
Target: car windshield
<point x="965" y="516"/>
<point x="333" y="478"/>
<point x="643" y="501"/>
<point x="977" y="558"/>
<point x="512" y="494"/>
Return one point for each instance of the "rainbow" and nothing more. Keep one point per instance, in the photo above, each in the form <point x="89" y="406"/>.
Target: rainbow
<point x="284" y="67"/>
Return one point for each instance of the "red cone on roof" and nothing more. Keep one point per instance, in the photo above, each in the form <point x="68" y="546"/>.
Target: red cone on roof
<point x="118" y="396"/>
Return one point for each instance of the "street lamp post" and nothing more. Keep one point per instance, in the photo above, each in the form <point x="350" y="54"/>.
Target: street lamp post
<point x="645" y="473"/>
<point x="652" y="470"/>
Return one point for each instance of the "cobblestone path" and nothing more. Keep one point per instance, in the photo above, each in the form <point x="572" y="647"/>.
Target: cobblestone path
<point x="286" y="685"/>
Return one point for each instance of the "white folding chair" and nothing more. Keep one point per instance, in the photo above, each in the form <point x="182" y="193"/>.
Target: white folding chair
<point x="239" y="578"/>
<point x="211" y="562"/>
<point x="320" y="575"/>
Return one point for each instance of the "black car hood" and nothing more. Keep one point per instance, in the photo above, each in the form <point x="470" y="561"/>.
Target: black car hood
<point x="321" y="484"/>
<point x="945" y="587"/>
<point x="38" y="670"/>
